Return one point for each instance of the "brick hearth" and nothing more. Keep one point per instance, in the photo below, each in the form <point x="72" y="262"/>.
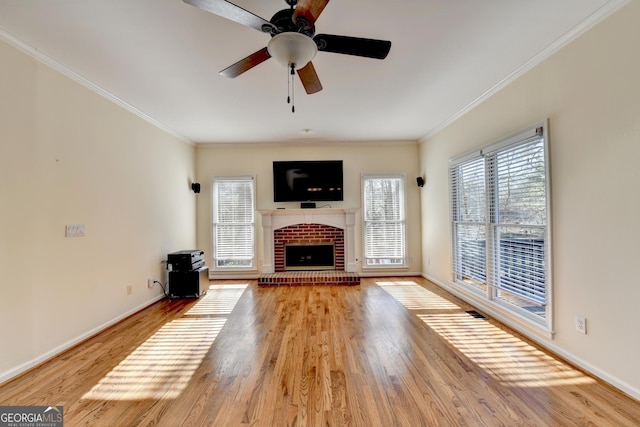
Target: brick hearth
<point x="302" y="278"/>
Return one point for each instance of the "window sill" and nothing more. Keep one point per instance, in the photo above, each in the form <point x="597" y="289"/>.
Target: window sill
<point x="385" y="267"/>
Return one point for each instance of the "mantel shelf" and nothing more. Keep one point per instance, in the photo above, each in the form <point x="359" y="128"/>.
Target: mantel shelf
<point x="313" y="211"/>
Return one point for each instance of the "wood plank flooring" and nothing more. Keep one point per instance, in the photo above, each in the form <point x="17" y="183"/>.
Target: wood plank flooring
<point x="390" y="352"/>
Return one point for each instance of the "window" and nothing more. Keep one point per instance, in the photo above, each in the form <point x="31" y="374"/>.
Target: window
<point x="384" y="220"/>
<point x="470" y="222"/>
<point x="233" y="226"/>
<point x="499" y="217"/>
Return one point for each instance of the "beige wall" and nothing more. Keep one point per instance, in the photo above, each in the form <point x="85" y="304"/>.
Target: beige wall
<point x="357" y="159"/>
<point x="590" y="91"/>
<point x="67" y="156"/>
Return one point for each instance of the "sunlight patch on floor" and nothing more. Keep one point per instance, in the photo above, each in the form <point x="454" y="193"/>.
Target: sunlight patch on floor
<point x="415" y="297"/>
<point x="504" y="356"/>
<point x="219" y="300"/>
<point x="162" y="366"/>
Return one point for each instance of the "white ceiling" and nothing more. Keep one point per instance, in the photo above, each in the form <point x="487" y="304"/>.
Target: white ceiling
<point x="161" y="59"/>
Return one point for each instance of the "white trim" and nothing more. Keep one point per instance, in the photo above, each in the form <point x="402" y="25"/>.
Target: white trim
<point x="388" y="273"/>
<point x="42" y="57"/>
<point x="30" y="364"/>
<point x="311" y="142"/>
<point x="545" y="53"/>
<point x="403" y="205"/>
<point x="213" y="221"/>
<point x="221" y="275"/>
<point x="516" y="138"/>
<point x="549" y="313"/>
<point x="483" y="154"/>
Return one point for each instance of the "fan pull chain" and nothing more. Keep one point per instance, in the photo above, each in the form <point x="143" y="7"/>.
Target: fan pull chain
<point x="291" y="86"/>
<point x="288" y="89"/>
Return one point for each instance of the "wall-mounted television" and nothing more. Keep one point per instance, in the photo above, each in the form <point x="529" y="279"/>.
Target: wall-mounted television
<point x="307" y="180"/>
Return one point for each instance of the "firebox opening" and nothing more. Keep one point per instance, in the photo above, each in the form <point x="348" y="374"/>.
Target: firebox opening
<point x="309" y="256"/>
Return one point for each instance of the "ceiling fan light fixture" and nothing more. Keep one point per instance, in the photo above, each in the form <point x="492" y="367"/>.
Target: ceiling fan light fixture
<point x="292" y="48"/>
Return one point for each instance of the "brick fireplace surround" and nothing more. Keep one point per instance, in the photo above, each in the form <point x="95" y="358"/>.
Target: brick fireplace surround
<point x="309" y="226"/>
<point x="307" y="234"/>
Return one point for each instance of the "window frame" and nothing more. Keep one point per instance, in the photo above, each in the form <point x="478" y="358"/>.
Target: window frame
<point x="490" y="292"/>
<point x="402" y="204"/>
<point x="252" y="267"/>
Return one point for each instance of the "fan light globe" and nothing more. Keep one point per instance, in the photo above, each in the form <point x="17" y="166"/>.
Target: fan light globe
<point x="292" y="48"/>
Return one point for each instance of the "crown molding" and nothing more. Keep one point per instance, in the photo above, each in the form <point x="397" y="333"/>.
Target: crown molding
<point x="575" y="32"/>
<point x="45" y="59"/>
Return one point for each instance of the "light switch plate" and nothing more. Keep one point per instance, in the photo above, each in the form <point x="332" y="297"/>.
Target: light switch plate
<point x="75" y="230"/>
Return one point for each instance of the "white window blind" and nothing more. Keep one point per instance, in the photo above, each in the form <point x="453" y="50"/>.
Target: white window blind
<point x="469" y="221"/>
<point x="519" y="209"/>
<point x="499" y="209"/>
<point x="384" y="220"/>
<point x="233" y="222"/>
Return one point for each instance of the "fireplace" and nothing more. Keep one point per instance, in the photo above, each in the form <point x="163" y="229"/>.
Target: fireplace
<point x="309" y="256"/>
<point x="309" y="227"/>
<point x="309" y="241"/>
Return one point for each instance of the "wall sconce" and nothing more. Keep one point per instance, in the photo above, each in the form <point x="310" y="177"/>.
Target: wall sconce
<point x="195" y="187"/>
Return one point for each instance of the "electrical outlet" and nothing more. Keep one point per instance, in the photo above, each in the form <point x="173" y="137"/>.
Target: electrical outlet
<point x="149" y="283"/>
<point x="129" y="289"/>
<point x="581" y="324"/>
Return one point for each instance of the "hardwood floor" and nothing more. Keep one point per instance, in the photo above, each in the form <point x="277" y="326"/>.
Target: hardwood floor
<point x="390" y="352"/>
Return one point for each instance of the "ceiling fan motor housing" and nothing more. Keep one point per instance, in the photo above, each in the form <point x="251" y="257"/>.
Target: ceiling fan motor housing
<point x="283" y="23"/>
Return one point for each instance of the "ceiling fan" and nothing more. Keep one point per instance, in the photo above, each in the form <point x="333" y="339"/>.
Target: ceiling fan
<point x="293" y="40"/>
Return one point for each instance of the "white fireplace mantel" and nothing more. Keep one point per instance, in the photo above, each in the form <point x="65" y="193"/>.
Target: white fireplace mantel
<point x="279" y="218"/>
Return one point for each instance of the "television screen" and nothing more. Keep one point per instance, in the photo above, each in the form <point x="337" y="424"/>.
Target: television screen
<point x="307" y="180"/>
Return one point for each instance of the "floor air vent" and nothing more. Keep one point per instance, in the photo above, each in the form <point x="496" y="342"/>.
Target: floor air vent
<point x="475" y="314"/>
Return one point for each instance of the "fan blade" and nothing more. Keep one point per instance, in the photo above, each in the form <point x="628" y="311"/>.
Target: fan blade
<point x="370" y="48"/>
<point x="246" y="64"/>
<point x="310" y="10"/>
<point x="309" y="79"/>
<point x="232" y="12"/>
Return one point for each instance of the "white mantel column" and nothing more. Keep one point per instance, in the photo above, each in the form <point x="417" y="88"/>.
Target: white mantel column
<point x="268" y="265"/>
<point x="350" y="264"/>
